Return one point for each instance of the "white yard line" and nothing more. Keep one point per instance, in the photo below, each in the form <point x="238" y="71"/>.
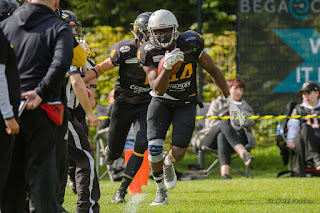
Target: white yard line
<point x="133" y="204"/>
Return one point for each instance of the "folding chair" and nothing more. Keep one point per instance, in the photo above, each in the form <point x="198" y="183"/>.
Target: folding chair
<point x="115" y="170"/>
<point x="101" y="142"/>
<point x="100" y="153"/>
<point x="203" y="150"/>
<point x="285" y="152"/>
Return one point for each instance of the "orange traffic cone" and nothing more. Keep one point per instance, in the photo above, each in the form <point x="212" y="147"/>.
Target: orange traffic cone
<point x="141" y="178"/>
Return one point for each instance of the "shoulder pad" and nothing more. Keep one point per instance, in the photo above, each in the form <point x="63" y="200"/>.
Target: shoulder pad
<point x="190" y="35"/>
<point x="149" y="47"/>
<point x="124" y="49"/>
<point x="122" y="46"/>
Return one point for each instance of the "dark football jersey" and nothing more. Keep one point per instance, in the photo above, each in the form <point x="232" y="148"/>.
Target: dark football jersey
<point x="132" y="86"/>
<point x="183" y="84"/>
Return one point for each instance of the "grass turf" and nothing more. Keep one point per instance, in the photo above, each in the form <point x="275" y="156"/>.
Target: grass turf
<point x="263" y="193"/>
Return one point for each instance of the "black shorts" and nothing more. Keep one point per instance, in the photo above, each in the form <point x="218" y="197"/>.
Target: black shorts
<point x="163" y="112"/>
<point x="122" y="116"/>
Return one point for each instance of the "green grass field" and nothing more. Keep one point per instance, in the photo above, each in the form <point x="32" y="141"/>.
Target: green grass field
<point x="263" y="193"/>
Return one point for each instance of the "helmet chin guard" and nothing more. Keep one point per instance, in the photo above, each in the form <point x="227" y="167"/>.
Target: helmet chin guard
<point x="163" y="20"/>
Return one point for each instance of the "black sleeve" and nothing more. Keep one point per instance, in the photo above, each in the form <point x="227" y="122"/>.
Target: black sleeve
<point x="144" y="55"/>
<point x="61" y="61"/>
<point x="195" y="42"/>
<point x="74" y="70"/>
<point x="4" y="50"/>
<point x="115" y="55"/>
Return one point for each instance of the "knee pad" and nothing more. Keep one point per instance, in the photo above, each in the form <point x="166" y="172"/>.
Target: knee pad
<point x="155" y="150"/>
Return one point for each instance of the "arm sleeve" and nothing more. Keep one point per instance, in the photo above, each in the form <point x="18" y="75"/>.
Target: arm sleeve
<point x="61" y="61"/>
<point x="293" y="126"/>
<point x="74" y="70"/>
<point x="5" y="106"/>
<point x="79" y="56"/>
<point x="145" y="56"/>
<point x="115" y="55"/>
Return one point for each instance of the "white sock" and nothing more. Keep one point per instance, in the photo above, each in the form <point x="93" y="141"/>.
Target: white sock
<point x="159" y="181"/>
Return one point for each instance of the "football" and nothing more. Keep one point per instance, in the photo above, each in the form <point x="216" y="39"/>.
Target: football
<point x="174" y="70"/>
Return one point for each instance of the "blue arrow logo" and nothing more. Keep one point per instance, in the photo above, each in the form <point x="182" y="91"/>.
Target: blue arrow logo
<point x="306" y="43"/>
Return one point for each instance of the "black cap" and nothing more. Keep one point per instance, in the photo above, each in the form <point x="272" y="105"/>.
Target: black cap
<point x="309" y="87"/>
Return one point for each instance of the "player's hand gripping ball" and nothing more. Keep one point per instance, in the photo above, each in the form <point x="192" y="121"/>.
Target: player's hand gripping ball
<point x="171" y="61"/>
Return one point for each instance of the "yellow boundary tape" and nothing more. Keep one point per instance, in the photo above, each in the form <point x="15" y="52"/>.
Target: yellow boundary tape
<point x="258" y="117"/>
<point x="254" y="117"/>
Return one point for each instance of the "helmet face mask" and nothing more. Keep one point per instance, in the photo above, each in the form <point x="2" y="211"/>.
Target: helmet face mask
<point x="163" y="37"/>
<point x="163" y="28"/>
<point x="140" y="25"/>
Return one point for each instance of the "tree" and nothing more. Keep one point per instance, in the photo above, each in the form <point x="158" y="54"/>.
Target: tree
<point x="218" y="16"/>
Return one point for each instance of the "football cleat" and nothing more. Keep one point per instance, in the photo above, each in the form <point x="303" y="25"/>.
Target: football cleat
<point x="170" y="177"/>
<point x="107" y="156"/>
<point x="118" y="197"/>
<point x="162" y="198"/>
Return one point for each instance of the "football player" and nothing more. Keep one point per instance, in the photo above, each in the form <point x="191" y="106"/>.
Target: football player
<point x="174" y="97"/>
<point x="131" y="102"/>
<point x="79" y="149"/>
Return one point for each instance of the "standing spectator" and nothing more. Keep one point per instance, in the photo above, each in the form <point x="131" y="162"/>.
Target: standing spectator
<point x="304" y="134"/>
<point x="174" y="97"/>
<point x="9" y="97"/>
<point x="131" y="102"/>
<point x="43" y="46"/>
<point x="226" y="135"/>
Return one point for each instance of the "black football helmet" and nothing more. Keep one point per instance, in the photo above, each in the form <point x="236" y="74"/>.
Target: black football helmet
<point x="140" y="26"/>
<point x="72" y="19"/>
<point x="7" y="7"/>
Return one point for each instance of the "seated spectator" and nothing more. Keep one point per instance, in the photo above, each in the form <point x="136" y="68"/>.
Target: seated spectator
<point x="304" y="134"/>
<point x="226" y="135"/>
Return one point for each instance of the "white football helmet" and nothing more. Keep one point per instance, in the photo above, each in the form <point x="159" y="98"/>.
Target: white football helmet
<point x="162" y="19"/>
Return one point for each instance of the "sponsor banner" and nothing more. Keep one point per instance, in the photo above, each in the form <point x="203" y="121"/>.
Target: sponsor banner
<point x="278" y="50"/>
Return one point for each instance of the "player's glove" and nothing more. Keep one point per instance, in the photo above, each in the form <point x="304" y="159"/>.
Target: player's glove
<point x="171" y="58"/>
<point x="234" y="110"/>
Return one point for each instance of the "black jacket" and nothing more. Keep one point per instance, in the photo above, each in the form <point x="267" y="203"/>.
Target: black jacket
<point x="43" y="45"/>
